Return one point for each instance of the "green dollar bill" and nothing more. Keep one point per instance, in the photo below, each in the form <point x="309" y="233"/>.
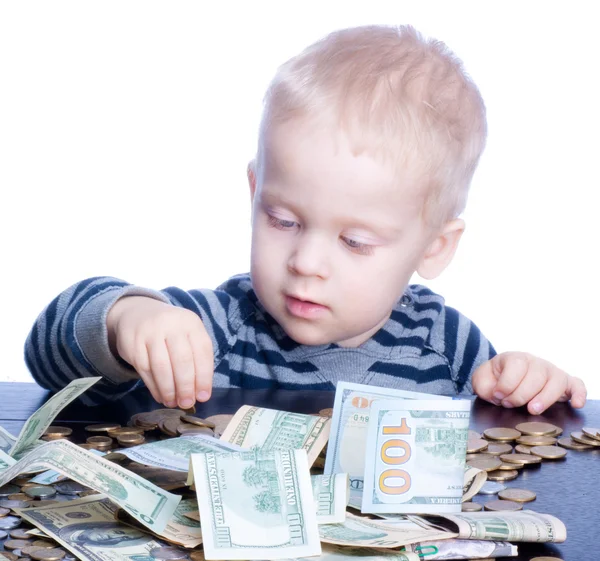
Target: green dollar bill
<point x="255" y="504"/>
<point x="6" y="461"/>
<point x="147" y="503"/>
<point x="37" y="424"/>
<point x="416" y="456"/>
<point x="349" y="424"/>
<point x="174" y="453"/>
<point x="331" y="493"/>
<point x="88" y="529"/>
<point x="333" y="552"/>
<point x="269" y="429"/>
<point x="7" y="440"/>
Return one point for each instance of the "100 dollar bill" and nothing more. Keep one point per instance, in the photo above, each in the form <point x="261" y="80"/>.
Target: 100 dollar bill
<point x="349" y="424"/>
<point x="255" y="504"/>
<point x="7" y="440"/>
<point x="37" y="424"/>
<point x="149" y="504"/>
<point x="416" y="456"/>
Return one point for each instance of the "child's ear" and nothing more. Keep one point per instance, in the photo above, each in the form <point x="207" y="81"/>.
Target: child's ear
<point x="441" y="250"/>
<point x="251" y="172"/>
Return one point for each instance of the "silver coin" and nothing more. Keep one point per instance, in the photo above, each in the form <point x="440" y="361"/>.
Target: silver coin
<point x="3" y="534"/>
<point x="9" y="522"/>
<point x="8" y="503"/>
<point x="491" y="488"/>
<point x="40" y="492"/>
<point x="9" y="489"/>
<point x="70" y="488"/>
<point x="168" y="553"/>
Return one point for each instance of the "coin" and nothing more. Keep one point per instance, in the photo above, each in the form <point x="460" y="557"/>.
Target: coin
<point x="168" y="553"/>
<point x="196" y="555"/>
<point x="518" y="495"/>
<point x="102" y="427"/>
<point x="18" y="497"/>
<point x="52" y="554"/>
<point x="43" y="543"/>
<point x="507" y="466"/>
<point x="591" y="432"/>
<point x="125" y="430"/>
<point x="169" y="425"/>
<point x="10" y="555"/>
<point x="568" y="442"/>
<point x="58" y="431"/>
<point x="197" y="421"/>
<point x="499" y="504"/>
<point x="131" y="439"/>
<point x="546" y="558"/>
<point x="3" y="534"/>
<point x="491" y="488"/>
<point x="498" y="448"/>
<point x="536" y="440"/>
<point x="184" y="429"/>
<point x="501" y="433"/>
<point x="536" y="428"/>
<point x="549" y="452"/>
<point x="486" y="464"/>
<point x="20" y="534"/>
<point x="30" y="549"/>
<point x="8" y="489"/>
<point x="520" y="458"/>
<point x="583" y="439"/>
<point x="70" y="488"/>
<point x="9" y="522"/>
<point x="476" y="445"/>
<point x="100" y="440"/>
<point x="4" y="512"/>
<point x="471" y="507"/>
<point x="7" y="503"/>
<point x="501" y="475"/>
<point x="220" y="422"/>
<point x="16" y="544"/>
<point x="41" y="492"/>
<point x="556" y="433"/>
<point x="327" y="412"/>
<point x="522" y="449"/>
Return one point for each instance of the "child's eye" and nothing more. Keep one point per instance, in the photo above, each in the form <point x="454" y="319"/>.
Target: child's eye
<point x="357" y="247"/>
<point x="281" y="224"/>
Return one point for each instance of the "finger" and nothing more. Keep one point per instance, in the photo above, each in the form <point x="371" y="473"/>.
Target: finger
<point x="484" y="381"/>
<point x="203" y="366"/>
<point x="510" y="369"/>
<point x="141" y="363"/>
<point x="182" y="363"/>
<point x="531" y="384"/>
<point x="550" y="393"/>
<point x="576" y="391"/>
<point x="160" y="367"/>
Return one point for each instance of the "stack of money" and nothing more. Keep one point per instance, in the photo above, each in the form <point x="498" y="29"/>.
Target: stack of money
<point x="382" y="474"/>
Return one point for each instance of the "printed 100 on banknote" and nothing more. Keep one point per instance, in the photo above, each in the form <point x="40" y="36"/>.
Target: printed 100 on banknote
<point x="415" y="456"/>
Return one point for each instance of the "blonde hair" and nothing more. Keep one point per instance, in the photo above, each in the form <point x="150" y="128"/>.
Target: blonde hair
<point x="398" y="97"/>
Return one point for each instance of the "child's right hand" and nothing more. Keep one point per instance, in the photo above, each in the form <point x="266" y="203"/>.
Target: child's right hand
<point x="168" y="346"/>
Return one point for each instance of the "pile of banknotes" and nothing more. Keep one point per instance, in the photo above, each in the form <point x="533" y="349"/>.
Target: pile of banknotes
<point x="382" y="474"/>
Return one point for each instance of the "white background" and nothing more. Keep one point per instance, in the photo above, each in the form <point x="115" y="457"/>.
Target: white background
<point x="126" y="127"/>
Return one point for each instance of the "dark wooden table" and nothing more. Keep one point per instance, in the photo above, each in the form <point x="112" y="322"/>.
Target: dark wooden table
<point x="568" y="489"/>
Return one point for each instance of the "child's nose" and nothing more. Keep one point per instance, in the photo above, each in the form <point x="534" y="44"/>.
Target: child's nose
<point x="309" y="257"/>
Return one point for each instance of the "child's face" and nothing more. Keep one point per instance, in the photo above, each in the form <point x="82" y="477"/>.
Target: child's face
<point x="336" y="237"/>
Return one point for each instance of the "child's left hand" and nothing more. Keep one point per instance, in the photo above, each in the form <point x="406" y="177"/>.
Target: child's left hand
<point x="513" y="379"/>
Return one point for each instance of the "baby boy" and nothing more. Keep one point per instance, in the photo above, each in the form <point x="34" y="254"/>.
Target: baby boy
<point x="368" y="143"/>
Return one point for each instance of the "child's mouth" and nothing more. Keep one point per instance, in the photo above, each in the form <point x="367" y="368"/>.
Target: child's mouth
<point x="303" y="308"/>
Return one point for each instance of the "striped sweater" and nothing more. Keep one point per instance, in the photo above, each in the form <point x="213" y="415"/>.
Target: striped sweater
<point x="424" y="346"/>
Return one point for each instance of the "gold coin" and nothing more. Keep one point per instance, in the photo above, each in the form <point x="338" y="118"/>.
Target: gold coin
<point x="499" y="448"/>
<point x="16" y="544"/>
<point x="197" y="421"/>
<point x="130" y="438"/>
<point x="557" y="432"/>
<point x="87" y="446"/>
<point x="499" y="505"/>
<point x="197" y="555"/>
<point x="549" y="452"/>
<point x="327" y="412"/>
<point x="53" y="554"/>
<point x="30" y="549"/>
<point x="536" y="428"/>
<point x="4" y="511"/>
<point x="43" y="543"/>
<point x="536" y="440"/>
<point x="20" y="534"/>
<point x="568" y="442"/>
<point x="220" y="422"/>
<point x="591" y="432"/>
<point x="546" y="558"/>
<point x="518" y="495"/>
<point x="486" y="464"/>
<point x="169" y="425"/>
<point x="58" y="431"/>
<point x="471" y="507"/>
<point x="501" y="475"/>
<point x="10" y="555"/>
<point x="102" y="440"/>
<point x="501" y="433"/>
<point x="474" y="446"/>
<point x="522" y="449"/>
<point x="184" y="429"/>
<point x="102" y="427"/>
<point x="583" y="439"/>
<point x="19" y="497"/>
<point x="473" y="435"/>
<point x="190" y="410"/>
<point x="125" y="430"/>
<point x="507" y="466"/>
<point x="520" y="458"/>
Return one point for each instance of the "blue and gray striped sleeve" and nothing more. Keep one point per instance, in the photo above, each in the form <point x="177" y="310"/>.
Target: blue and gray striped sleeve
<point x="69" y="338"/>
